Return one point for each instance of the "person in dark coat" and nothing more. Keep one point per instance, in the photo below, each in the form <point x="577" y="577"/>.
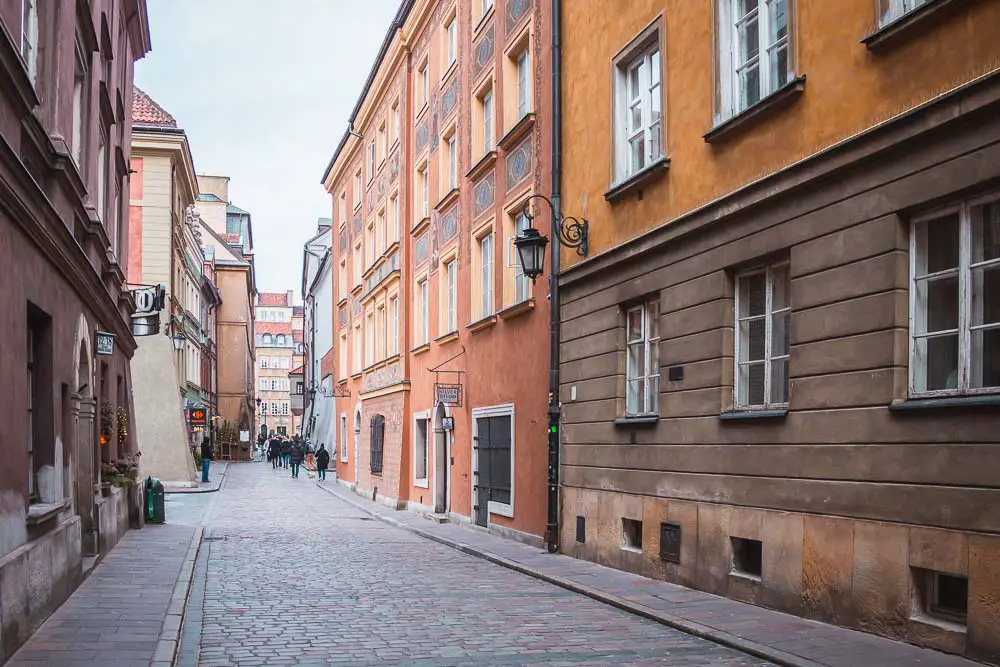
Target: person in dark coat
<point x="286" y="452"/>
<point x="207" y="452"/>
<point x="296" y="454"/>
<point x="274" y="453"/>
<point x="322" y="462"/>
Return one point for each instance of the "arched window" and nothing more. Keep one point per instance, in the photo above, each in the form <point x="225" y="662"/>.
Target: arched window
<point x="267" y="339"/>
<point x="281" y="339"/>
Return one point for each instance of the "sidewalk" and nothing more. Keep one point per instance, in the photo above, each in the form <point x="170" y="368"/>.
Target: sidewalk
<point x="786" y="640"/>
<point x="216" y="473"/>
<point x="128" y="612"/>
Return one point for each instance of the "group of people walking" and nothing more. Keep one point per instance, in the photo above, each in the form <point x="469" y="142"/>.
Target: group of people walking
<point x="285" y="452"/>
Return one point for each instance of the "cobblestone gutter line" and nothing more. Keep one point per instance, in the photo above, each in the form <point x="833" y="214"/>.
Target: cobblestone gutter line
<point x="726" y="639"/>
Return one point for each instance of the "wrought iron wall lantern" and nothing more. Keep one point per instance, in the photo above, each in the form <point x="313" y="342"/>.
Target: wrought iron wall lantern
<point x="569" y="231"/>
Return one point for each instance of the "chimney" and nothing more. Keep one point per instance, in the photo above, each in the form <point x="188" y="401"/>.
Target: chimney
<point x="289" y="301"/>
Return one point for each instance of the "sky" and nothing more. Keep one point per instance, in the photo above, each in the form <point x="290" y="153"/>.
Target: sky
<point x="264" y="89"/>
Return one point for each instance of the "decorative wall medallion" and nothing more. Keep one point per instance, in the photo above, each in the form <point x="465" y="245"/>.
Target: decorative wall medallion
<point x="357" y="225"/>
<point x="435" y="139"/>
<point x="343" y="239"/>
<point x="449" y="224"/>
<point x="449" y="98"/>
<point x="394" y="165"/>
<point x="483" y="194"/>
<point x="355" y="306"/>
<point x="422" y="248"/>
<point x="518" y="165"/>
<point x="483" y="51"/>
<point x="516" y="10"/>
<point x="422" y="136"/>
<point x="343" y="317"/>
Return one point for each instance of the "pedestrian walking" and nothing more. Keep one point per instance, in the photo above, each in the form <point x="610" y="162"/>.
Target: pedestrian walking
<point x="322" y="461"/>
<point x="274" y="452"/>
<point x="207" y="452"/>
<point x="296" y="454"/>
<point x="286" y="452"/>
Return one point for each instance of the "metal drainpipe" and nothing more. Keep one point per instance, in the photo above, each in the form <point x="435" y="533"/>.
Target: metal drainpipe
<point x="552" y="530"/>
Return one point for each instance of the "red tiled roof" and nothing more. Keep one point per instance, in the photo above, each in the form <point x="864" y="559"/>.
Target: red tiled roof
<point x="147" y="112"/>
<point x="299" y="371"/>
<point x="297" y="335"/>
<point x="273" y="328"/>
<point x="272" y="299"/>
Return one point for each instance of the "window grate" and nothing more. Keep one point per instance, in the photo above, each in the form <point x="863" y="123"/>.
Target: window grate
<point x="377" y="438"/>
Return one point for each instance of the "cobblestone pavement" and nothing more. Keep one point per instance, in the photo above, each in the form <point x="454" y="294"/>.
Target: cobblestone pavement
<point x="290" y="575"/>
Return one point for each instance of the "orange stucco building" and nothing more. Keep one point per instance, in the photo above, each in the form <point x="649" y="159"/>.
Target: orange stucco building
<point x="780" y="363"/>
<point x="450" y="138"/>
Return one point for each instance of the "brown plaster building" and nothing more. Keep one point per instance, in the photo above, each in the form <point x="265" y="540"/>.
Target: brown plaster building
<point x="65" y="99"/>
<point x="454" y="138"/>
<point x="780" y="366"/>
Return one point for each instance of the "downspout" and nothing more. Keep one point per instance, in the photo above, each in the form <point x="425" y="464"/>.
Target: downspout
<point x="552" y="529"/>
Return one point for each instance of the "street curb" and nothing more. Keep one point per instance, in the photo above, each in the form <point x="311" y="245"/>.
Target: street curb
<point x="183" y="490"/>
<point x="726" y="639"/>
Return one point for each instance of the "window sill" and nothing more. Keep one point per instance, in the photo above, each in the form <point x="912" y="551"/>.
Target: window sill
<point x="447" y="338"/>
<point x="779" y="99"/>
<point x="952" y="402"/>
<point x="521" y="128"/>
<point x="633" y="550"/>
<point x="480" y="167"/>
<point x="39" y="513"/>
<point x="446" y="77"/>
<point x="650" y="420"/>
<point x="739" y="415"/>
<point x="355" y="376"/>
<point x="635" y="182"/>
<point x="357" y="288"/>
<point x="342" y="301"/>
<point x="485" y="323"/>
<point x="889" y="34"/>
<point x="420" y="349"/>
<point x="421" y="223"/>
<point x="483" y="20"/>
<point x="420" y="114"/>
<point x="450" y="197"/>
<point x="421" y="483"/>
<point x="745" y="576"/>
<point x="517" y="309"/>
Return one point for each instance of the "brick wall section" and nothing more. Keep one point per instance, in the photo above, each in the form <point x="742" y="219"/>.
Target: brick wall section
<point x="388" y="482"/>
<point x="327" y="365"/>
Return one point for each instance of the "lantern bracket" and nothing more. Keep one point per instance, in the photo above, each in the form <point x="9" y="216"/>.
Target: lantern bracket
<point x="571" y="232"/>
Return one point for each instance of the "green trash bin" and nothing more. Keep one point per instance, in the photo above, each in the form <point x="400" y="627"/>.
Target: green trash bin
<point x="155" y="512"/>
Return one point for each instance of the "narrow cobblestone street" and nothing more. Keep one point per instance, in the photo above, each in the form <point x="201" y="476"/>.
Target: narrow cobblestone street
<point x="289" y="574"/>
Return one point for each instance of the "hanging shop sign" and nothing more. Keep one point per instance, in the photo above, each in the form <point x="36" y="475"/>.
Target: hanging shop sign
<point x="146" y="325"/>
<point x="105" y="343"/>
<point x="149" y="301"/>
<point x="198" y="417"/>
<point x="448" y="394"/>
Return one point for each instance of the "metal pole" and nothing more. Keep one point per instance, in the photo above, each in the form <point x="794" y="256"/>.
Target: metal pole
<point x="552" y="530"/>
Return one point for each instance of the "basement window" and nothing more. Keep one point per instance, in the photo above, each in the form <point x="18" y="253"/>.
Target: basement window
<point x="941" y="596"/>
<point x="747" y="557"/>
<point x="632" y="535"/>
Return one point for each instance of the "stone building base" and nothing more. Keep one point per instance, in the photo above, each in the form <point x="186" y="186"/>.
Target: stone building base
<point x="866" y="575"/>
<point x="35" y="579"/>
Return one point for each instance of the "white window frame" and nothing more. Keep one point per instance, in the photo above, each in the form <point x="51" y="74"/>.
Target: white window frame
<point x="739" y="401"/>
<point x="423" y="84"/>
<point x="394" y="219"/>
<point x="394" y="121"/>
<point x="358" y="350"/>
<point x="422" y="312"/>
<point x="451" y="38"/>
<point x="494" y="507"/>
<point x="30" y="396"/>
<point x="79" y="82"/>
<point x="965" y="303"/>
<point x="263" y="384"/>
<point x="485" y="244"/>
<point x="393" y="335"/>
<point x="369" y="339"/>
<point x="892" y="10"/>
<point x="732" y="99"/>
<point x="452" y="142"/>
<point x="422" y="482"/>
<point x="29" y="37"/>
<point x="343" y="437"/>
<point x="284" y="408"/>
<point x="522" y="68"/>
<point x="358" y="194"/>
<point x="371" y="161"/>
<point x="263" y="408"/>
<point x="646" y="57"/>
<point x="522" y="284"/>
<point x="649" y="401"/>
<point x="383" y="144"/>
<point x="451" y="295"/>
<point x="484" y="7"/>
<point x="489" y="141"/>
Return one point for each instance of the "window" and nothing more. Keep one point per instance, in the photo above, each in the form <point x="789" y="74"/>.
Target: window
<point x="357" y="263"/>
<point x="284" y="408"/>
<point x="423" y="86"/>
<point x="642" y="368"/>
<point x="369" y="339"/>
<point x="29" y="36"/>
<point x="394" y="121"/>
<point x="32" y="387"/>
<point x="394" y="218"/>
<point x="493" y="459"/>
<point x="631" y="535"/>
<point x="486" y="275"/>
<point x="941" y="596"/>
<point x="370" y="244"/>
<point x="263" y="384"/>
<point x="342" y="278"/>
<point x="955" y="300"/>
<point x="393" y="335"/>
<point x="263" y="362"/>
<point x="357" y="190"/>
<point x="380" y="342"/>
<point x="286" y="363"/>
<point x="420" y="434"/>
<point x="451" y="35"/>
<point x="762" y="319"/>
<point x="357" y="349"/>
<point x="79" y="87"/>
<point x="383" y="233"/>
<point x="754" y="58"/>
<point x="523" y="82"/>
<point x="383" y="144"/>
<point x="748" y="557"/>
<point x="342" y="211"/>
<point x="263" y="408"/>
<point x="422" y="308"/>
<point x="342" y="356"/>
<point x="343" y="438"/>
<point x="267" y="339"/>
<point x="275" y="408"/>
<point x="451" y="155"/>
<point x="281" y="339"/>
<point x="638" y="106"/>
<point x="486" y="106"/>
<point x="102" y="176"/>
<point x="275" y="384"/>
<point x="371" y="161"/>
<point x="377" y="437"/>
<point x="485" y="6"/>
<point x="890" y="10"/>
<point x="422" y="182"/>
<point x="451" y="274"/>
<point x="522" y="284"/>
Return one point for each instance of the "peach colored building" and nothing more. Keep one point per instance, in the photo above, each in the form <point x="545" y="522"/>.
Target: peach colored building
<point x="442" y="346"/>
